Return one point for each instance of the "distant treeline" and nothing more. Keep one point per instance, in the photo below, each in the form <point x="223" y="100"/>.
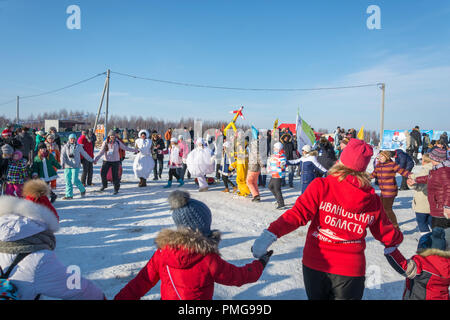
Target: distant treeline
<point x="114" y="121"/>
<point x="139" y="122"/>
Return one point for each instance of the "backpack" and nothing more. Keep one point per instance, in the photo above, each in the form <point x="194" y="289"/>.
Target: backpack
<point x="8" y="291"/>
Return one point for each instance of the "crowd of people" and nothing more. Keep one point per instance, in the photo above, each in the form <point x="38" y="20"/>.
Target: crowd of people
<point x="340" y="206"/>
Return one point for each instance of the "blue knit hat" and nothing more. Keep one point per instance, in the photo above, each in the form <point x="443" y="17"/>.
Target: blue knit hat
<point x="72" y="136"/>
<point x="190" y="213"/>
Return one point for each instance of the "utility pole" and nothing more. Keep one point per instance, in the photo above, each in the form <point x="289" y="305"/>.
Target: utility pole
<point x="101" y="104"/>
<point x="107" y="103"/>
<point x="383" y="89"/>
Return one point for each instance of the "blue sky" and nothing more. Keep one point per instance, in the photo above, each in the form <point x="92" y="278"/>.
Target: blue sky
<point x="257" y="44"/>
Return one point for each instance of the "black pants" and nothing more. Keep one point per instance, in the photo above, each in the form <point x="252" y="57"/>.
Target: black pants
<point x="183" y="171"/>
<point x="88" y="170"/>
<point x="158" y="163"/>
<point x="114" y="165"/>
<point x="227" y="181"/>
<point x="326" y="286"/>
<point x="173" y="172"/>
<point x="440" y="222"/>
<point x="275" y="188"/>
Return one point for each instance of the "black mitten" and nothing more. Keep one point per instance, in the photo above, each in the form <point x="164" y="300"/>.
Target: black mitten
<point x="265" y="258"/>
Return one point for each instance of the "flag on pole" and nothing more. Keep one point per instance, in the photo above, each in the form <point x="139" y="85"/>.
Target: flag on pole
<point x="360" y="134"/>
<point x="305" y="135"/>
<point x="275" y="125"/>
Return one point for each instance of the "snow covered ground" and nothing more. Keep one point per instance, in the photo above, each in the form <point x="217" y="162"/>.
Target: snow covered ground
<point x="112" y="237"/>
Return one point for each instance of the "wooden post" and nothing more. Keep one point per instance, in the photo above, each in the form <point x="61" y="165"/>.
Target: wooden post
<point x="107" y="104"/>
<point x="100" y="106"/>
<point x="383" y="89"/>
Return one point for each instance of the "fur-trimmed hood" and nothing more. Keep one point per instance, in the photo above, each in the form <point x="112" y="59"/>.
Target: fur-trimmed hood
<point x="35" y="189"/>
<point x="21" y="218"/>
<point x="434" y="252"/>
<point x="147" y="135"/>
<point x="184" y="247"/>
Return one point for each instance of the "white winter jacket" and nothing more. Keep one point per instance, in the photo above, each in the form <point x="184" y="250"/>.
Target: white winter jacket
<point x="39" y="272"/>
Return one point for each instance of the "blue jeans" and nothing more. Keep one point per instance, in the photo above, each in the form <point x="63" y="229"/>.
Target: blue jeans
<point x="423" y="221"/>
<point x="290" y="175"/>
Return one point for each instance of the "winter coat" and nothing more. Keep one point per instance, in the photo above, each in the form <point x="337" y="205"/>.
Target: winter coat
<point x="39" y="139"/>
<point x="157" y="148"/>
<point x="404" y="160"/>
<point x="45" y="168"/>
<point x="28" y="227"/>
<point x="385" y="173"/>
<point x="71" y="156"/>
<point x="54" y="149"/>
<point x="276" y="165"/>
<point x="17" y="171"/>
<point x="188" y="264"/>
<point x="184" y="149"/>
<point x="420" y="199"/>
<point x="113" y="153"/>
<point x="143" y="162"/>
<point x="288" y="146"/>
<point x="327" y="156"/>
<point x="87" y="145"/>
<point x="175" y="157"/>
<point x="27" y="144"/>
<point x="427" y="273"/>
<point x="310" y="169"/>
<point x="4" y="164"/>
<point x="438" y="186"/>
<point x="340" y="213"/>
<point x="225" y="165"/>
<point x="416" y="139"/>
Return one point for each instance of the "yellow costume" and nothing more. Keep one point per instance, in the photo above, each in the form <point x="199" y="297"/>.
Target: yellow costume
<point x="241" y="166"/>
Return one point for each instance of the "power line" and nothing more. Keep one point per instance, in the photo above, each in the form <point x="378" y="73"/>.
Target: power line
<point x="55" y="90"/>
<point x="63" y="88"/>
<point x="241" y="89"/>
<point x="7" y="102"/>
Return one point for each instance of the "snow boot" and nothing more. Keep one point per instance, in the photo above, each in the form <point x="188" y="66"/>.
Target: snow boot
<point x="226" y="190"/>
<point x="181" y="182"/>
<point x="53" y="196"/>
<point x="256" y="199"/>
<point x="83" y="194"/>
<point x="67" y="198"/>
<point x="144" y="182"/>
<point x="169" y="184"/>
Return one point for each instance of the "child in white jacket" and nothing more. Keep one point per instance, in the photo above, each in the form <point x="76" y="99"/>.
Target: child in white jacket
<point x="27" y="229"/>
<point x="175" y="162"/>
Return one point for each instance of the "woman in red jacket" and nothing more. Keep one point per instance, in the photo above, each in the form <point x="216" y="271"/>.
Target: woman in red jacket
<point x="340" y="207"/>
<point x="438" y="187"/>
<point x="187" y="260"/>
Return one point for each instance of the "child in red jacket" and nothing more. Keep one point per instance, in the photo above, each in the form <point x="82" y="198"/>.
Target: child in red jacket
<point x="187" y="261"/>
<point x="428" y="272"/>
<point x="341" y="207"/>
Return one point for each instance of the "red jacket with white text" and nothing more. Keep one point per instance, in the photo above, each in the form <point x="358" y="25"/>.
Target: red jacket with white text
<point x="340" y="213"/>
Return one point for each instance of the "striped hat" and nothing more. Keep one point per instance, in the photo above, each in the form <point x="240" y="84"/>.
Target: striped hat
<point x="438" y="155"/>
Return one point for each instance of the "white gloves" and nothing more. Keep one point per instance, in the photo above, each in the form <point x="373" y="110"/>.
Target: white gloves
<point x="262" y="243"/>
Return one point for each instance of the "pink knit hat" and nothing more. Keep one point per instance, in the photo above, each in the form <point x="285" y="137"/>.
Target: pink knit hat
<point x="356" y="155"/>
